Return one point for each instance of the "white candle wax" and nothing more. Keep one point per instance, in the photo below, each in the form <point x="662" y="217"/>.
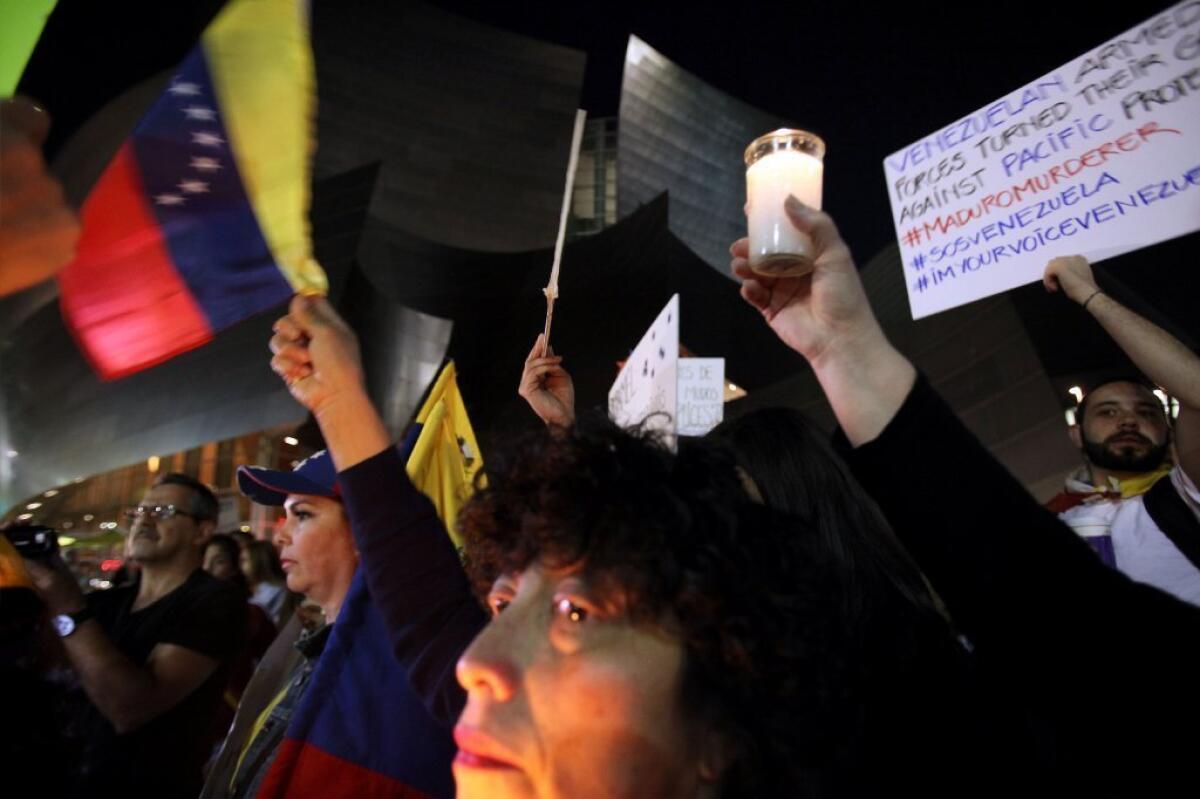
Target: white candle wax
<point x="776" y="246"/>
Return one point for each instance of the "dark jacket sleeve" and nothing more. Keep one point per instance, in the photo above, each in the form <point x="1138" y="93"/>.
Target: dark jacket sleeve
<point x="1105" y="659"/>
<point x="414" y="576"/>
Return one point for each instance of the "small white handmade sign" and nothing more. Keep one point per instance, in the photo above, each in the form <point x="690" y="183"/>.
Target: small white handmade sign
<point x="662" y="391"/>
<point x="647" y="386"/>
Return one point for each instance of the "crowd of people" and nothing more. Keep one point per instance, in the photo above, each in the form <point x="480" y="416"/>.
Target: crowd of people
<point x="758" y="612"/>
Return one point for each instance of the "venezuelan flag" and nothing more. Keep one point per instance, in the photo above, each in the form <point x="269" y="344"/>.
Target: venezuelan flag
<point x="201" y="218"/>
<point x="361" y="729"/>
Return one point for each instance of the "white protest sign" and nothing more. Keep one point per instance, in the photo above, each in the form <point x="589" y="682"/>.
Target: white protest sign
<point x="701" y="395"/>
<point x="648" y="383"/>
<point x="1097" y="158"/>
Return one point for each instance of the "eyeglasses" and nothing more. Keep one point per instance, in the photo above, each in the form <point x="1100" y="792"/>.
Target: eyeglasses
<point x="159" y="512"/>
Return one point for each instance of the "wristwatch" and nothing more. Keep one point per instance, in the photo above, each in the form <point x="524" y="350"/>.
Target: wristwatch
<point x="67" y="623"/>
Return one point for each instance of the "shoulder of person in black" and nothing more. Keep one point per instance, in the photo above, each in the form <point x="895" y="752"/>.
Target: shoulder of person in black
<point x="1080" y="651"/>
<point x="163" y="757"/>
<point x="203" y="614"/>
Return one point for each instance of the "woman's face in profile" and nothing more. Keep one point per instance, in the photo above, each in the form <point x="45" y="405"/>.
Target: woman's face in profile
<point x="567" y="699"/>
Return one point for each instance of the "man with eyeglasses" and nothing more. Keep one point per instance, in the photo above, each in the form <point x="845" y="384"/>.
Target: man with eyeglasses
<point x="151" y="656"/>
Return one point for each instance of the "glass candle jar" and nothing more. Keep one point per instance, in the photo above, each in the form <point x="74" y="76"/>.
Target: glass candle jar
<point x="780" y="163"/>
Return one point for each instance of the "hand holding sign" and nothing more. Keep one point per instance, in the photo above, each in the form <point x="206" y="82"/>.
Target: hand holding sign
<point x="547" y="387"/>
<point x="1072" y="274"/>
<point x="813" y="312"/>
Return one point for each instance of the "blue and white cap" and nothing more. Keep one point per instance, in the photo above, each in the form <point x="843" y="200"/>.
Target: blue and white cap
<point x="315" y="475"/>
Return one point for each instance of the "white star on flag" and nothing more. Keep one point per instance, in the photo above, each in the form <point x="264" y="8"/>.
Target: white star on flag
<point x="200" y="112"/>
<point x="207" y="139"/>
<point x="185" y="89"/>
<point x="193" y="186"/>
<point x="204" y="164"/>
<point x="168" y="199"/>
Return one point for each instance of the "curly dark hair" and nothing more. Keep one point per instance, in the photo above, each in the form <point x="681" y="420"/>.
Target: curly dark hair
<point x="744" y="587"/>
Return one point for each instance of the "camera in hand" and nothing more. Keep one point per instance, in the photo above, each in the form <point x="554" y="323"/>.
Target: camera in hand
<point x="33" y="541"/>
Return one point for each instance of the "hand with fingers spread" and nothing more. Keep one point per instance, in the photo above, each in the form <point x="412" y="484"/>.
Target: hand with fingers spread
<point x="316" y="354"/>
<point x="813" y="312"/>
<point x="1072" y="274"/>
<point x="547" y="387"/>
<point x="38" y="230"/>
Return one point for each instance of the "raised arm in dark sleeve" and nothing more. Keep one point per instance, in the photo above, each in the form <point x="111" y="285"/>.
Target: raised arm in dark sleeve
<point x="1109" y="661"/>
<point x="414" y="577"/>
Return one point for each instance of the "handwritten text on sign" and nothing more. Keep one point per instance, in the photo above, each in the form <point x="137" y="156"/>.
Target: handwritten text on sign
<point x="1098" y="158"/>
<point x="701" y="403"/>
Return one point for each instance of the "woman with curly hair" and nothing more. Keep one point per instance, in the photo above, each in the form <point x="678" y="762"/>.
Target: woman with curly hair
<point x="926" y="718"/>
<point x="654" y="632"/>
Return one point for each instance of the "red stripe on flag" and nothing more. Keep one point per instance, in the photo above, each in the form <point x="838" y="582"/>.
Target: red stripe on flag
<point x="302" y="771"/>
<point x="121" y="296"/>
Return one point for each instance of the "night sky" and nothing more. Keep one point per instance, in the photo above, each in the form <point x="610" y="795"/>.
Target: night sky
<point x="868" y="81"/>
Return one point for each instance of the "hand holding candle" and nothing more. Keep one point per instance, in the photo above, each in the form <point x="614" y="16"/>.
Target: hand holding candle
<point x="781" y="163"/>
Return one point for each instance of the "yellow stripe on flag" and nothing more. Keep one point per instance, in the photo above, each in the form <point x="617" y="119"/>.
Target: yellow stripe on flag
<point x="259" y="57"/>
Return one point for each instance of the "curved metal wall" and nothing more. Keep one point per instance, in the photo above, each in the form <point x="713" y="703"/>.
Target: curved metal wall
<point x="472" y="124"/>
<point x="680" y="135"/>
<point x="402" y="349"/>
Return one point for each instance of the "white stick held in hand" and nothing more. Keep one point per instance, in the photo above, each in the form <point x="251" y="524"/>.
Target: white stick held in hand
<point x="551" y="290"/>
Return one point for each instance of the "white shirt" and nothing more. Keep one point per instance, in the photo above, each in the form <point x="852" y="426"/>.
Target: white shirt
<point x="1142" y="551"/>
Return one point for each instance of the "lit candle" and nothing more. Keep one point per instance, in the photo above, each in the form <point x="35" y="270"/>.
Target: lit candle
<point x="778" y="164"/>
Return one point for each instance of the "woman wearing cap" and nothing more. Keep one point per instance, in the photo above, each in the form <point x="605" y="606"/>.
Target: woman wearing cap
<point x="318" y="556"/>
<point x="320" y="565"/>
<point x="316" y="550"/>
